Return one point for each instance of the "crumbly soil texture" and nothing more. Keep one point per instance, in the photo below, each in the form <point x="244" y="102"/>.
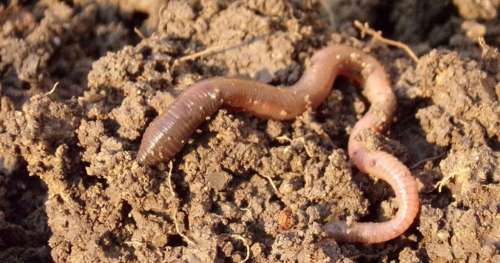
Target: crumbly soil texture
<point x="80" y="81"/>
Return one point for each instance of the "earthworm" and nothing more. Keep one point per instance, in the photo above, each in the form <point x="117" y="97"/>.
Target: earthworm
<point x="168" y="133"/>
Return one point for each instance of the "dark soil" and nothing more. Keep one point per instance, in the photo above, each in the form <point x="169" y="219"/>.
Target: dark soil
<point x="80" y="81"/>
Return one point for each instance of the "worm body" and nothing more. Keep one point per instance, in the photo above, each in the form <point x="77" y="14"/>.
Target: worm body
<point x="167" y="134"/>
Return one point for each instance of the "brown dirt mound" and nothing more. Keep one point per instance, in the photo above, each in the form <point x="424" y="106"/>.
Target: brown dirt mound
<point x="80" y="82"/>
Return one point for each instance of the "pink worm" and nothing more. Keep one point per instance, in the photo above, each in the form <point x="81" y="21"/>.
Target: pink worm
<point x="167" y="134"/>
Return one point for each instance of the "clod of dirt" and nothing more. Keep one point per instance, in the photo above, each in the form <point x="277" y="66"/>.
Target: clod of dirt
<point x="467" y="173"/>
<point x="465" y="109"/>
<point x="483" y="9"/>
<point x="459" y="235"/>
<point x="218" y="180"/>
<point x="70" y="189"/>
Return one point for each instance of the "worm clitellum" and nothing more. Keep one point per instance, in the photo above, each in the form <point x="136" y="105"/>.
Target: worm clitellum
<point x="168" y="133"/>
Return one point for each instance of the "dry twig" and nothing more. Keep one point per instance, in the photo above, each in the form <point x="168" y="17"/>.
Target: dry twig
<point x="208" y="51"/>
<point x="169" y="178"/>
<point x="365" y="29"/>
<point x="139" y="33"/>
<point x="217" y="49"/>
<point x="245" y="243"/>
<point x="301" y="140"/>
<point x="272" y="184"/>
<point x="177" y="229"/>
<point x="172" y="192"/>
<point x="432" y="158"/>
<point x="53" y="89"/>
<point x="486" y="50"/>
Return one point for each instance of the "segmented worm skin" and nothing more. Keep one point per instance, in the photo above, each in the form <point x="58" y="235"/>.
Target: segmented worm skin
<point x="167" y="134"/>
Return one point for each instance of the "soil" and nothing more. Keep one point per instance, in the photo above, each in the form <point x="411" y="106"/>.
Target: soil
<point x="81" y="80"/>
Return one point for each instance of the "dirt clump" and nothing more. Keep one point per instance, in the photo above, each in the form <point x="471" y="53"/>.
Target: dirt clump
<point x="80" y="83"/>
